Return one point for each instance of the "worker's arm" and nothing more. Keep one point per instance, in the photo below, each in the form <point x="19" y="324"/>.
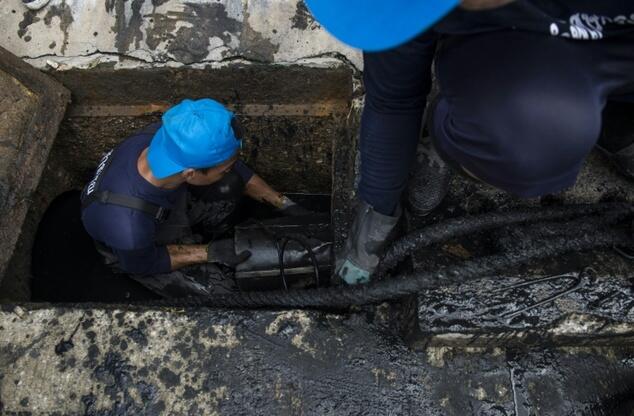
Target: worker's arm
<point x="182" y="255"/>
<point x="163" y="259"/>
<point x="258" y="189"/>
<point x="220" y="251"/>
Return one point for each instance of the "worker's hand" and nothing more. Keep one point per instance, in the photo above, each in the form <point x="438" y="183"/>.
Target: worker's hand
<point x="292" y="209"/>
<point x="223" y="252"/>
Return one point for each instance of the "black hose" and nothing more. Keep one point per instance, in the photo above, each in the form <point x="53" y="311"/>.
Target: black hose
<point x="458" y="227"/>
<point x="378" y="291"/>
<point x="513" y="237"/>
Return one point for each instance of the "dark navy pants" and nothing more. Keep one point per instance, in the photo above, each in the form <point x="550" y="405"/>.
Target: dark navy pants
<point x="519" y="110"/>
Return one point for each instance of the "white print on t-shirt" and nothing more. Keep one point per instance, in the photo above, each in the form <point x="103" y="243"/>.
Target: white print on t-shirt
<point x="98" y="172"/>
<point x="587" y="26"/>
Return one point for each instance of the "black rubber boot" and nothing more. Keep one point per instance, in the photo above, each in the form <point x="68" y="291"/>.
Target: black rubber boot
<point x="430" y="180"/>
<point x="623" y="160"/>
<point x="366" y="241"/>
<point x="431" y="175"/>
<point x="617" y="136"/>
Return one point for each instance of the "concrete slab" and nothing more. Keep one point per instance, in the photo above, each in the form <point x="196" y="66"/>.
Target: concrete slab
<point x="68" y="34"/>
<point x="97" y="361"/>
<point x="31" y="108"/>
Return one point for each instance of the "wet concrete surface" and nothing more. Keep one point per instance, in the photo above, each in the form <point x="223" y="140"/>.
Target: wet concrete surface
<point x="482" y="313"/>
<point x="487" y="303"/>
<point x="111" y="362"/>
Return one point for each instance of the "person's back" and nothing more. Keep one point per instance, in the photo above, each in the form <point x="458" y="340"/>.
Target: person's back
<point x="128" y="232"/>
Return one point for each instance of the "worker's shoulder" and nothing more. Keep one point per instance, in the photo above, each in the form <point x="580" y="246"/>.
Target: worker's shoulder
<point x="141" y="138"/>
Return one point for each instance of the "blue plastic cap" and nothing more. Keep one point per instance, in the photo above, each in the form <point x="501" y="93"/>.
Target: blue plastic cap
<point x="195" y="134"/>
<point x="374" y="25"/>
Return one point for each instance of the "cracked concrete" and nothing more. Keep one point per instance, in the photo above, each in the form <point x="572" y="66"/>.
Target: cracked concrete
<point x="68" y="32"/>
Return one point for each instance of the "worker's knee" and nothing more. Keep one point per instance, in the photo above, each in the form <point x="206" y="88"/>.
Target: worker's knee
<point x="527" y="148"/>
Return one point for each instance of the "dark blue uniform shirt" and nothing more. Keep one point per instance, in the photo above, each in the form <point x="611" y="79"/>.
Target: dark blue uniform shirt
<point x="574" y="19"/>
<point x="130" y="233"/>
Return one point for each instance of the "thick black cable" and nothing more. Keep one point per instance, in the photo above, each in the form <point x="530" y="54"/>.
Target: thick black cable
<point x="462" y="226"/>
<point x="513" y="237"/>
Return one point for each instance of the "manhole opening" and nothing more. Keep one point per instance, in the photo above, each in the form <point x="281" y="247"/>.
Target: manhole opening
<point x="294" y="120"/>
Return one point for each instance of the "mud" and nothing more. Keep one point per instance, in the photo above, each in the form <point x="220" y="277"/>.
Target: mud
<point x="203" y="362"/>
<point x="127" y="28"/>
<point x="482" y="304"/>
<point x="483" y="312"/>
<point x="345" y="174"/>
<point x="29" y="17"/>
<point x="254" y="45"/>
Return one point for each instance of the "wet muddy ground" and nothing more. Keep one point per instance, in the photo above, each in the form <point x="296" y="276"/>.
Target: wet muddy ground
<point x="113" y="362"/>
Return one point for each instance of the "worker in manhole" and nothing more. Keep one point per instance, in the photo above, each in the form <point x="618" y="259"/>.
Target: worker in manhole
<point x="521" y="89"/>
<point x="150" y="191"/>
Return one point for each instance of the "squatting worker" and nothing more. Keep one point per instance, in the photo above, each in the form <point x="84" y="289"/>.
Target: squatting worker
<point x="521" y="89"/>
<point x="149" y="191"/>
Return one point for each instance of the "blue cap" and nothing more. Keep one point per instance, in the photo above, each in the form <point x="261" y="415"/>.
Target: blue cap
<point x="375" y="25"/>
<point x="195" y="134"/>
